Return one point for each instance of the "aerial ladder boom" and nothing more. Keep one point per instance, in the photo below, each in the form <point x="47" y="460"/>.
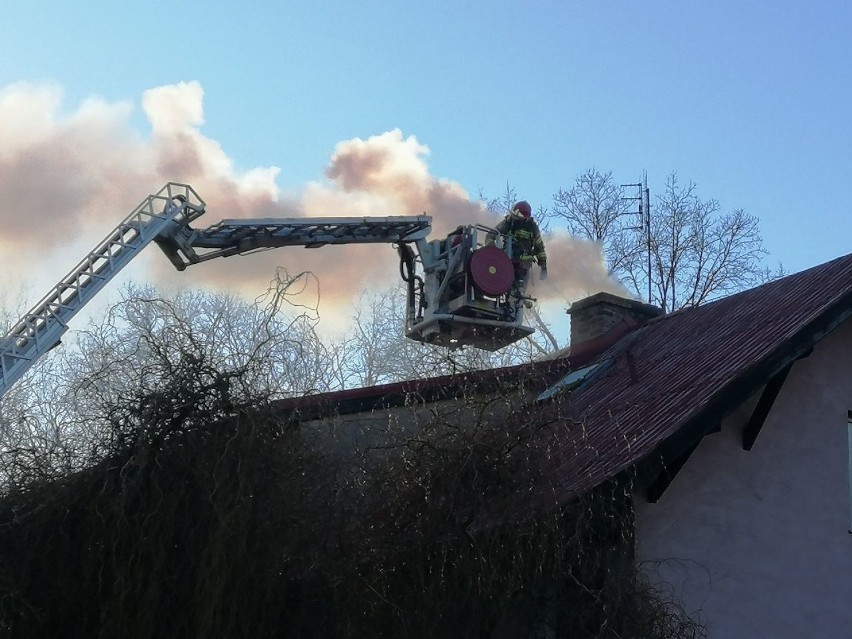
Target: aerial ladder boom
<point x="459" y="289"/>
<point x="41" y="329"/>
<point x="241" y="236"/>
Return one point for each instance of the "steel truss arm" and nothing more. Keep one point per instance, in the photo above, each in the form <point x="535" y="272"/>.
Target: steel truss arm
<point x="41" y="329"/>
<point x="236" y="237"/>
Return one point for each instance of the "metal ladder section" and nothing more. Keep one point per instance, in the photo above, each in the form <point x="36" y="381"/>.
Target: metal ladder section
<point x="41" y="329"/>
<point x="234" y="236"/>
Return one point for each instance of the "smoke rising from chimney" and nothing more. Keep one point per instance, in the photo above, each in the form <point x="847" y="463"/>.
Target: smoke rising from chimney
<point x="77" y="174"/>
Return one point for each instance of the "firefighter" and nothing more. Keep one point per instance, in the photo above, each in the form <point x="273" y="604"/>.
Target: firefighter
<point x="527" y="244"/>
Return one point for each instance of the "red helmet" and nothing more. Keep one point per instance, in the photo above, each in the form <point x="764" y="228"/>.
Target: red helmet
<point x="523" y="207"/>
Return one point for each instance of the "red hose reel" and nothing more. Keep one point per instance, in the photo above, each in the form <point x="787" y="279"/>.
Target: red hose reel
<point x="491" y="271"/>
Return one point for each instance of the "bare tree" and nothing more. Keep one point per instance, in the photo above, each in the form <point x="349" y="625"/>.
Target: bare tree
<point x="697" y="252"/>
<point x="50" y="418"/>
<point x="503" y="202"/>
<point x="273" y="331"/>
<point x="595" y="209"/>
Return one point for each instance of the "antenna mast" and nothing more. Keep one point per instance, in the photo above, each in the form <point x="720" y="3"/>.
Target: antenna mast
<point x="644" y="213"/>
<point x="647" y="223"/>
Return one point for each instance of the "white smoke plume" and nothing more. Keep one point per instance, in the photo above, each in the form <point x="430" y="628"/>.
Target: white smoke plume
<point x="77" y="174"/>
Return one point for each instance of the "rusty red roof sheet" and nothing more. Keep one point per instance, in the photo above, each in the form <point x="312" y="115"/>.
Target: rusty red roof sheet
<point x="676" y="377"/>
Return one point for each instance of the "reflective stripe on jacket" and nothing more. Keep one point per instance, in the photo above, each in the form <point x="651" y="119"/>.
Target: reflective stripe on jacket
<point x="527" y="245"/>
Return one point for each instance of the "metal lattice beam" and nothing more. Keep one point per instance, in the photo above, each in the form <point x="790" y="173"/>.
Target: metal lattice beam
<point x="41" y="329"/>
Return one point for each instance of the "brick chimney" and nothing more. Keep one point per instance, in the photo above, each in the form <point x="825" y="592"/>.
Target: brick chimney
<point x="595" y="315"/>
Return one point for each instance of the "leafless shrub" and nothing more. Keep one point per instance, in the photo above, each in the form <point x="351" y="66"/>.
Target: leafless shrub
<point x="203" y="507"/>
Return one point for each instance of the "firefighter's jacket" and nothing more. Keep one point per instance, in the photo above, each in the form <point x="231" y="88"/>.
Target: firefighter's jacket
<point x="527" y="245"/>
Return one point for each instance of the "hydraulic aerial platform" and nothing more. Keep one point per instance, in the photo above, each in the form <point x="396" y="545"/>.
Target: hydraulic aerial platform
<point x="460" y="289"/>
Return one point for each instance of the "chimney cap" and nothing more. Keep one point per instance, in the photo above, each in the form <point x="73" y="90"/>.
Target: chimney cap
<point x="648" y="310"/>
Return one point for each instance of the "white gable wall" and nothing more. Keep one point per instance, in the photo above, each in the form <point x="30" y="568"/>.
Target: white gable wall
<point x="757" y="542"/>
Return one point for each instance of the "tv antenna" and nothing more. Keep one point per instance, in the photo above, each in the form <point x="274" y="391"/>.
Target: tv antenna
<point x="643" y="197"/>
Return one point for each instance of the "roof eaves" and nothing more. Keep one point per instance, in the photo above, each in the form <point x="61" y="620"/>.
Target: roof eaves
<point x="431" y="389"/>
<point x="740" y="388"/>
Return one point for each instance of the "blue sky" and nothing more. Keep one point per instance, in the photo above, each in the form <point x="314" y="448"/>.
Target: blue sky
<point x="748" y="100"/>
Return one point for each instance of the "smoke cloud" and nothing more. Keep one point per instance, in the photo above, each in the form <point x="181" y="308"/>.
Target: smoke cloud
<point x="77" y="174"/>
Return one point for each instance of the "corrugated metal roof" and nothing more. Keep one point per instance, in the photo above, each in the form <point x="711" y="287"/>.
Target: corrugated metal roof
<point x="691" y="368"/>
